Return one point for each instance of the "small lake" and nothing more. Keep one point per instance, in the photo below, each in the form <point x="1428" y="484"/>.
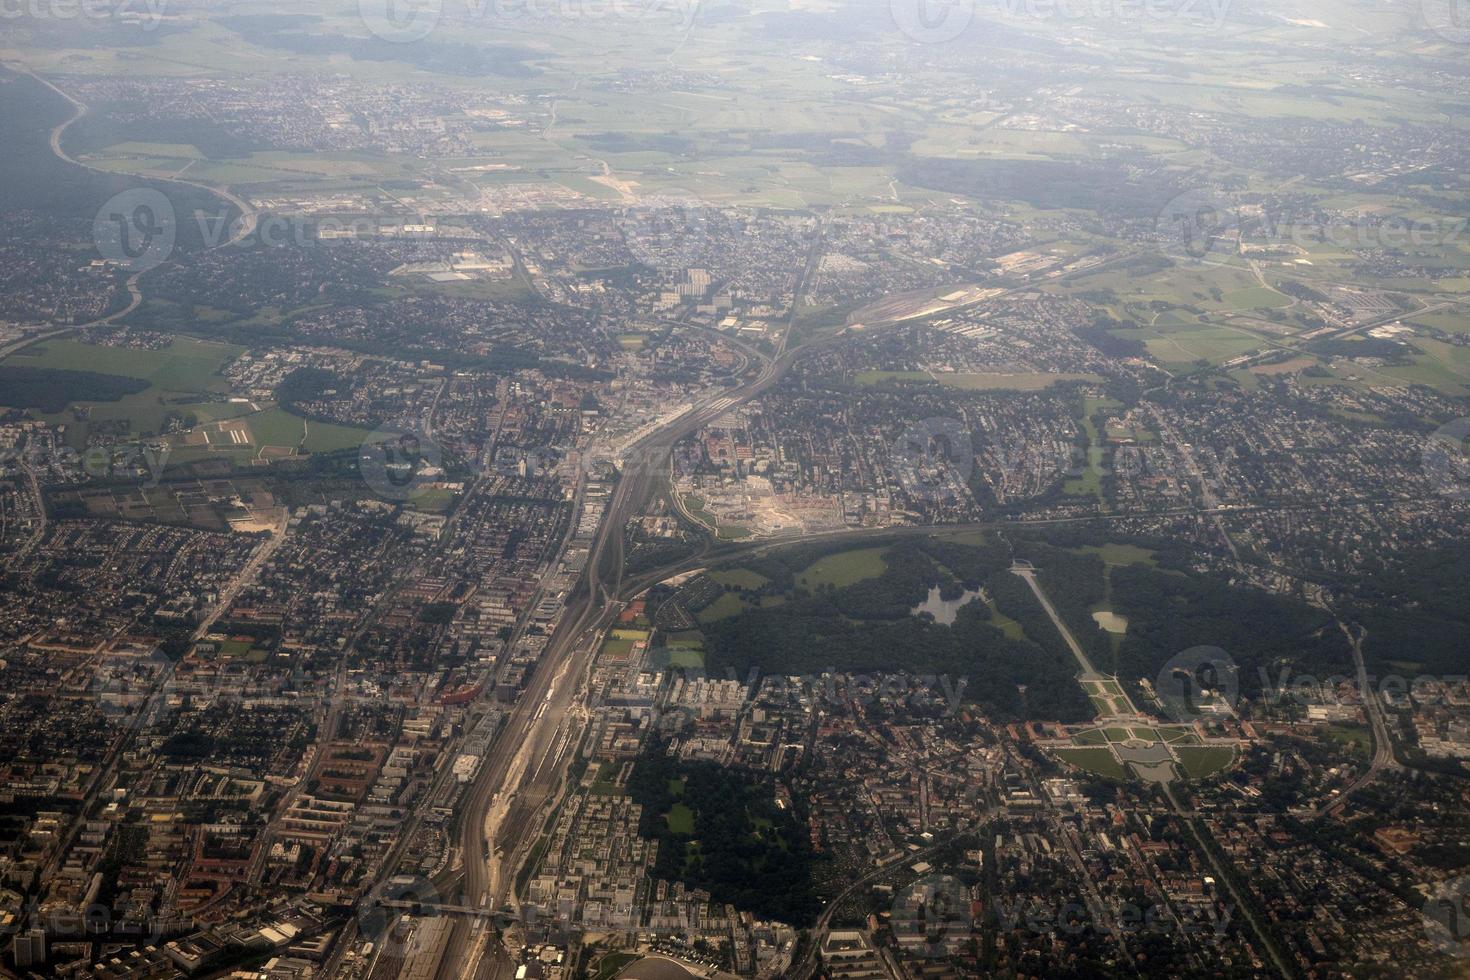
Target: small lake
<point x="1111" y="621"/>
<point x="943" y="610"/>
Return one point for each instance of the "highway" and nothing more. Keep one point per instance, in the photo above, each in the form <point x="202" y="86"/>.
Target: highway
<point x="1383" y="757"/>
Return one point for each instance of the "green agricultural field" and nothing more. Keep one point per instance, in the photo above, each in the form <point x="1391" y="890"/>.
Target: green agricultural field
<point x="1181" y="348"/>
<point x="844" y="568"/>
<point x="187" y="367"/>
<point x="1257" y="298"/>
<point x="278" y="427"/>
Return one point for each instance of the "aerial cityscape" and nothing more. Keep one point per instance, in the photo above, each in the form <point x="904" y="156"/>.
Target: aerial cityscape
<point x="654" y="489"/>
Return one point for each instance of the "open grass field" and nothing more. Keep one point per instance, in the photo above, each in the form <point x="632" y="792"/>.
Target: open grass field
<point x="1035" y="381"/>
<point x="1094" y="759"/>
<point x="742" y="578"/>
<point x="618" y="648"/>
<point x="686" y="657"/>
<point x="1352" y="737"/>
<point x="974" y="381"/>
<point x="273" y="433"/>
<point x="844" y="568"/>
<point x="185" y="365"/>
<point x="1182" y="348"/>
<point x="1010" y="627"/>
<point x="1200" y="761"/>
<point x="184" y="384"/>
<point x="681" y="819"/>
<point x="1120" y="554"/>
<point x="730" y="604"/>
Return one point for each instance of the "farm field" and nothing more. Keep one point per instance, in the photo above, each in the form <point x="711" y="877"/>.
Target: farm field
<point x="184" y="386"/>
